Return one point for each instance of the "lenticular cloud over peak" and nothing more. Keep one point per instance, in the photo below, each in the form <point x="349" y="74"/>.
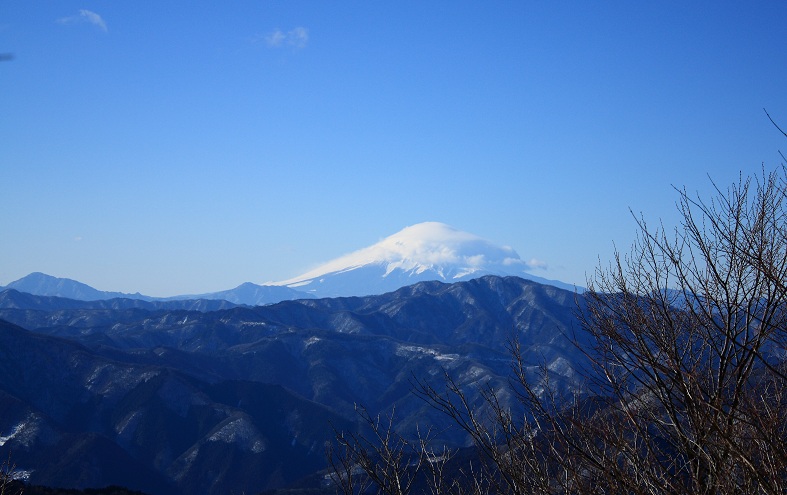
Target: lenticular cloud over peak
<point x="425" y="251"/>
<point x="435" y="244"/>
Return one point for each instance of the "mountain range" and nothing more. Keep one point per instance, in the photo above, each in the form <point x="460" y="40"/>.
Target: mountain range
<point x="422" y="252"/>
<point x="243" y="399"/>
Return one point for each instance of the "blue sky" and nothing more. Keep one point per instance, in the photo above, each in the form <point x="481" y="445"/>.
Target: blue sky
<point x="170" y="148"/>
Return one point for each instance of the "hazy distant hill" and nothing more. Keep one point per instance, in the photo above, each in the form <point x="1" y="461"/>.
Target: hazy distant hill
<point x="10" y="298"/>
<point x="40" y="284"/>
<point x="252" y="294"/>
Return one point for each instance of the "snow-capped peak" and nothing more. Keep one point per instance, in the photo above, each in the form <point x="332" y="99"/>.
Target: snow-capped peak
<point x="425" y="251"/>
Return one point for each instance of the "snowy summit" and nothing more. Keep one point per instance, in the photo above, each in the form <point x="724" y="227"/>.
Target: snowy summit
<point x="425" y="251"/>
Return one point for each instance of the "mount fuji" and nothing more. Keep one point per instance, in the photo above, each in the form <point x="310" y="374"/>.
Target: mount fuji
<point x="422" y="252"/>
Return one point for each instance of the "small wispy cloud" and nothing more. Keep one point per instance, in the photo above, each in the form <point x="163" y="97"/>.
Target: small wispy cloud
<point x="297" y="38"/>
<point x="536" y="264"/>
<point x="275" y="38"/>
<point x="85" y="16"/>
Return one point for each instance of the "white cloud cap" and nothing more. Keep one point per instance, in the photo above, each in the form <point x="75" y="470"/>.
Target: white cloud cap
<point x="421" y="252"/>
<point x="428" y="246"/>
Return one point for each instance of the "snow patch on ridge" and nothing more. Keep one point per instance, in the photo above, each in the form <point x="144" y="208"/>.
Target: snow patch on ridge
<point x="14" y="432"/>
<point x="412" y="351"/>
<point x="32" y="429"/>
<point x="239" y="431"/>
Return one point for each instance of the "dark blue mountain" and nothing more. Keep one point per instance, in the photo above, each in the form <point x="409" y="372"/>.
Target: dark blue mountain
<point x="41" y="284"/>
<point x="71" y="417"/>
<point x="182" y="392"/>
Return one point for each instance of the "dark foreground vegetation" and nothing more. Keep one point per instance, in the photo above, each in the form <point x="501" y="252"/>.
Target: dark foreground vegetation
<point x="20" y="488"/>
<point x="11" y="486"/>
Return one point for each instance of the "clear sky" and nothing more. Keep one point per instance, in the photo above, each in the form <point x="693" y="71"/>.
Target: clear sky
<point x="171" y="147"/>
